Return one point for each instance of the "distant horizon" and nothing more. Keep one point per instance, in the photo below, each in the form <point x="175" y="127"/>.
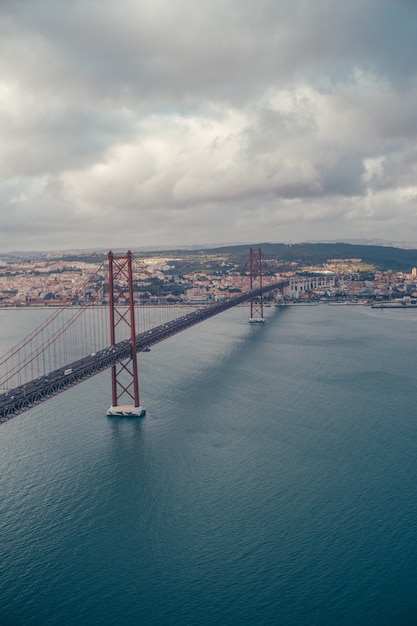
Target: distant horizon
<point x="407" y="245"/>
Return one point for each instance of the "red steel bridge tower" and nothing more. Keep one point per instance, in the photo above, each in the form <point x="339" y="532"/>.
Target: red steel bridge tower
<point x="124" y="374"/>
<point x="257" y="303"/>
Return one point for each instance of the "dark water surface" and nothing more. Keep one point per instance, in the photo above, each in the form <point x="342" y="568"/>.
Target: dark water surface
<point x="273" y="481"/>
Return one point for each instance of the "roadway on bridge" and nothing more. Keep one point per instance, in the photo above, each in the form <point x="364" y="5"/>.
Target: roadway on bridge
<point x="20" y="399"/>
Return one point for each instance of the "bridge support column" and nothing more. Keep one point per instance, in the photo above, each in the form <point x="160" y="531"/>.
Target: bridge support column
<point x="124" y="375"/>
<point x="256" y="304"/>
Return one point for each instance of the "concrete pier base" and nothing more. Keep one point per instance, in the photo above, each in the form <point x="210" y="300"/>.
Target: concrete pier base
<point x="125" y="410"/>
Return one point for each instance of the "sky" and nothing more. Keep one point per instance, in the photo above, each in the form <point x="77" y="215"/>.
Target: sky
<point x="133" y="123"/>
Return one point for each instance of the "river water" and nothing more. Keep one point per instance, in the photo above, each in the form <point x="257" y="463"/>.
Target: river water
<point x="272" y="481"/>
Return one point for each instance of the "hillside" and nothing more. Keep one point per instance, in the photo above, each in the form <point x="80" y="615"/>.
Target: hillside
<point x="381" y="257"/>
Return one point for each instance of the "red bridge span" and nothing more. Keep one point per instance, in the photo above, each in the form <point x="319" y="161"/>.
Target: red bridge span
<point x="108" y="332"/>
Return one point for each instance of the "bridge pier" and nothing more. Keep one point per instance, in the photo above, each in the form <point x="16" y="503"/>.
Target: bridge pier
<point x="256" y="304"/>
<point x="121" y="289"/>
<point x="126" y="410"/>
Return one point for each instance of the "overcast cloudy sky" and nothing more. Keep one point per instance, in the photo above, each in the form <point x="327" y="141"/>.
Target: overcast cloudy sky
<point x="128" y="123"/>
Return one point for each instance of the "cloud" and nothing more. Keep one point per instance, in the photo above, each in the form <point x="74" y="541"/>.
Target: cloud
<point x="183" y="122"/>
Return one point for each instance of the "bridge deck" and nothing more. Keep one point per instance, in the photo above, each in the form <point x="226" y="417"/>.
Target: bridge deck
<point x="32" y="393"/>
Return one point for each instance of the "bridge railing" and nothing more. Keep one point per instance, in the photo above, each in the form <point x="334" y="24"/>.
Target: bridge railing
<point x="32" y="391"/>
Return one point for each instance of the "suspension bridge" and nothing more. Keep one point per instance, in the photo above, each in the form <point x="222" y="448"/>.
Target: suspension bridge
<point x="108" y="331"/>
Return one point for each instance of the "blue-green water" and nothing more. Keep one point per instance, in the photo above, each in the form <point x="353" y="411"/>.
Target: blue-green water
<point x="273" y="481"/>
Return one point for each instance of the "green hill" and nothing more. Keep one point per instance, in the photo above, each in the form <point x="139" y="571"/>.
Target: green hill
<point x="381" y="257"/>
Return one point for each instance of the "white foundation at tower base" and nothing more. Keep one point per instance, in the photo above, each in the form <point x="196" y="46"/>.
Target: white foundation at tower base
<point x="256" y="320"/>
<point x="125" y="410"/>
